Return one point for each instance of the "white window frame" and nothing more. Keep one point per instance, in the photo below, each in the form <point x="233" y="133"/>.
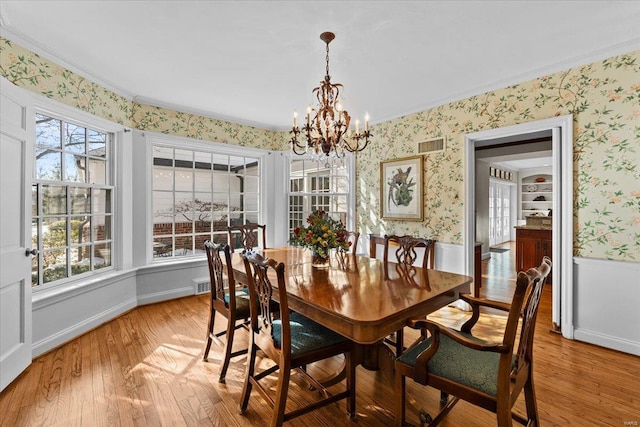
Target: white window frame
<point x="183" y="143"/>
<point x="75" y="116"/>
<point x="349" y="162"/>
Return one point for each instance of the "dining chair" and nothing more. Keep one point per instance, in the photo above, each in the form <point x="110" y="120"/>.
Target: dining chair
<point x="407" y="252"/>
<point x="484" y="373"/>
<point x="227" y="300"/>
<point x="247" y="236"/>
<point x="290" y="340"/>
<point x="353" y="237"/>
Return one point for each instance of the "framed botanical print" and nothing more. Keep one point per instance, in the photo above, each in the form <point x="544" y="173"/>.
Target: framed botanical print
<point x="401" y="189"/>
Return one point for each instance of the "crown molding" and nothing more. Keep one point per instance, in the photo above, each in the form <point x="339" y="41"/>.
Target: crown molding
<point x="46" y="52"/>
<point x="577" y="61"/>
<point x="184" y="109"/>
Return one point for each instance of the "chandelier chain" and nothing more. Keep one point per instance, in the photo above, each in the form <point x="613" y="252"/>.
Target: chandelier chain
<point x="327" y="58"/>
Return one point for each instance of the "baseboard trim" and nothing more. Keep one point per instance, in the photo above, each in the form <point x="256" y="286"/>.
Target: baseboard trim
<point x="166" y="295"/>
<point x="607" y="341"/>
<point x="74" y="331"/>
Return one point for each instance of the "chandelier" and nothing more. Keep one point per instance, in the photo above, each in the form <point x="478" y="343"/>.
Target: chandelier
<point x="326" y="127"/>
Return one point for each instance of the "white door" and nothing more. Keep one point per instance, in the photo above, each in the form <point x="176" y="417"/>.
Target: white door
<point x="16" y="143"/>
<point x="499" y="213"/>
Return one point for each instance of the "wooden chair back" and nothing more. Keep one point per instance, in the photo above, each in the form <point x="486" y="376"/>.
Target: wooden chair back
<point x="250" y="236"/>
<point x="432" y="361"/>
<point x="353" y="237"/>
<point x="263" y="310"/>
<point x="299" y="345"/>
<point x="217" y="273"/>
<point x="225" y="300"/>
<point x="405" y="250"/>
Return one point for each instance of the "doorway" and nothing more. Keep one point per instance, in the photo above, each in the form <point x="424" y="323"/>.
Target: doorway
<point x="561" y="129"/>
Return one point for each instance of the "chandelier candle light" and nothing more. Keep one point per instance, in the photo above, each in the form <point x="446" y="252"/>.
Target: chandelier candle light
<point x="327" y="126"/>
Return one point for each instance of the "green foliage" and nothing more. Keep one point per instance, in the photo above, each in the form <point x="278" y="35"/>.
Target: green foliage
<point x="322" y="234"/>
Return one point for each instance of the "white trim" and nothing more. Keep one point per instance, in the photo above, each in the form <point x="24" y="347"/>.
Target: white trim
<point x="74" y="114"/>
<point x="602" y="317"/>
<point x="56" y="294"/>
<point x="191" y="143"/>
<point x="46" y="52"/>
<point x="519" y="79"/>
<point x="152" y="138"/>
<point x="59" y="110"/>
<point x="65" y="335"/>
<point x="350" y="163"/>
<point x="165" y="295"/>
<point x="563" y="158"/>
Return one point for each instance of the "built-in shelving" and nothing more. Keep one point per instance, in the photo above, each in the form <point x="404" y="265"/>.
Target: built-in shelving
<point x="530" y="190"/>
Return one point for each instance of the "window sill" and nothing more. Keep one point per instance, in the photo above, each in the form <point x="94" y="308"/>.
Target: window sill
<point x="45" y="297"/>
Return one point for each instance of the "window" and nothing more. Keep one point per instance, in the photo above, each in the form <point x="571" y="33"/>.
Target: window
<point x="317" y="186"/>
<point x="72" y="199"/>
<point x="197" y="194"/>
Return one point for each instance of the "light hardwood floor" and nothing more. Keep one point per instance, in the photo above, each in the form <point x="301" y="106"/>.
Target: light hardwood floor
<point x="145" y="368"/>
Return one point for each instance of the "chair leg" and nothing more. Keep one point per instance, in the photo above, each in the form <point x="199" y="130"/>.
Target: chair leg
<point x="248" y="376"/>
<point x="530" y="401"/>
<point x="399" y="387"/>
<point x="282" y="391"/>
<point x="231" y="327"/>
<point x="212" y="320"/>
<point x="503" y="413"/>
<point x="399" y="342"/>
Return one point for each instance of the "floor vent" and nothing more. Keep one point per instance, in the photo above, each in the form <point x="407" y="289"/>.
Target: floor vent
<point x="429" y="146"/>
<point x="201" y="286"/>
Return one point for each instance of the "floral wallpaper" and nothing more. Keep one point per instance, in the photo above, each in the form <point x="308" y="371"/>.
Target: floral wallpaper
<point x="27" y="69"/>
<point x="604" y="98"/>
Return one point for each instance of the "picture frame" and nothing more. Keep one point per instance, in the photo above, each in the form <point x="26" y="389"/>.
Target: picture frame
<point x="401" y="189"/>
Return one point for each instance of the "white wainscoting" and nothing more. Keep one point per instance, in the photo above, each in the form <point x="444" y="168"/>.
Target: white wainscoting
<point x="606" y="297"/>
<point x="62" y="315"/>
<point x="163" y="282"/>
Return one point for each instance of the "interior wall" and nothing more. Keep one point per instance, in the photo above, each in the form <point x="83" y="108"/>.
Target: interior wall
<point x="482" y="205"/>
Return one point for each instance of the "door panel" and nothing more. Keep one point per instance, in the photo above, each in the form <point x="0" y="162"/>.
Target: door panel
<point x="499" y="213"/>
<point x="16" y="142"/>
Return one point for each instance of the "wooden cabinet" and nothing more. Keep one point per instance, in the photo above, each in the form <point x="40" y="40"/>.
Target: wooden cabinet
<point x="531" y="246"/>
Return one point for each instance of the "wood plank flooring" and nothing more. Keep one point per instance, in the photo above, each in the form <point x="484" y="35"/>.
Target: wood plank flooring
<point x="145" y="368"/>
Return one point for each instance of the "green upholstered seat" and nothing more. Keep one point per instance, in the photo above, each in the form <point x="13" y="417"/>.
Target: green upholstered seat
<point x="242" y="302"/>
<point x="306" y="335"/>
<point x="475" y="369"/>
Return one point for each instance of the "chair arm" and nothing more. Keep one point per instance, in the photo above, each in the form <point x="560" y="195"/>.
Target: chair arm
<point x="420" y="370"/>
<point x="435" y="329"/>
<point x="485" y="302"/>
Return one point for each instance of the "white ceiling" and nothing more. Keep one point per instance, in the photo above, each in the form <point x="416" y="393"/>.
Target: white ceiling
<point x="255" y="61"/>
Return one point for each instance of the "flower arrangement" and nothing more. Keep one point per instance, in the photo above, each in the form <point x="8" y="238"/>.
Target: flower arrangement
<point x="322" y="234"/>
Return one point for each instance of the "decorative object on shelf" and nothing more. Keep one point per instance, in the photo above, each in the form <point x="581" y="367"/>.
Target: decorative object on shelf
<point x="499" y="173"/>
<point x="532" y="187"/>
<point x="401" y="188"/>
<point x="321" y="235"/>
<point x="540" y="179"/>
<point x="540" y="198"/>
<point x="327" y="126"/>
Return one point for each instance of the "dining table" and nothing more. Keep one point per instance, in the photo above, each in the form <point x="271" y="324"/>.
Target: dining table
<point x="361" y="298"/>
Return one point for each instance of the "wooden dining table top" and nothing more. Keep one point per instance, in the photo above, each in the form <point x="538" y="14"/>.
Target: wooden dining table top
<point x="362" y="298"/>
